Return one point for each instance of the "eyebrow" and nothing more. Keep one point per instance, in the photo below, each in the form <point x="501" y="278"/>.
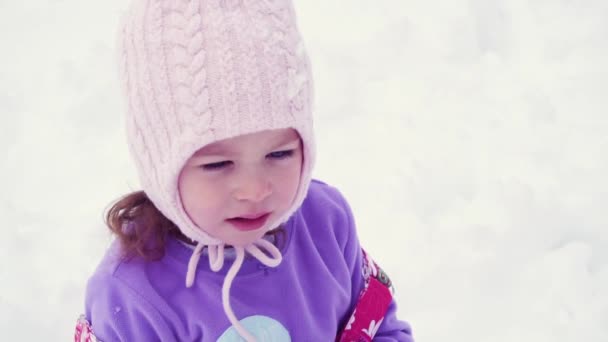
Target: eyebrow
<point x="210" y="150"/>
<point x="219" y="150"/>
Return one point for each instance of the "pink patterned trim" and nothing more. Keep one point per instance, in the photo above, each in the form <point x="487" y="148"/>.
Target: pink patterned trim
<point x="84" y="332"/>
<point x="372" y="305"/>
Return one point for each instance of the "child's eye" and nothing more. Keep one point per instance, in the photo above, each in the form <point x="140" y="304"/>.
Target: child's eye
<point x="280" y="154"/>
<point x="216" y="166"/>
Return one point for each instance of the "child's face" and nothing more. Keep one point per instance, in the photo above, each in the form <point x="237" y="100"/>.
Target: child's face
<point x="232" y="187"/>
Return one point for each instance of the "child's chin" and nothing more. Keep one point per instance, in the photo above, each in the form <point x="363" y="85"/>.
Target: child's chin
<point x="242" y="239"/>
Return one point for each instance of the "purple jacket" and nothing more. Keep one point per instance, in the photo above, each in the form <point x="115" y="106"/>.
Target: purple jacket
<point x="308" y="297"/>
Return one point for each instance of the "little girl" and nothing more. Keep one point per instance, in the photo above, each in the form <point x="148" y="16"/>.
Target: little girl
<point x="229" y="240"/>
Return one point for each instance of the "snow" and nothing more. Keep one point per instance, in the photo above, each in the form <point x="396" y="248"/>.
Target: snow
<point x="470" y="138"/>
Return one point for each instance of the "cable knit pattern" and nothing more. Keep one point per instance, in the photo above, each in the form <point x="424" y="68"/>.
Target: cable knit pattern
<point x="198" y="71"/>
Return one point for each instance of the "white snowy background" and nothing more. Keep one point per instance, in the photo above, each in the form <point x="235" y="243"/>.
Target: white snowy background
<point x="469" y="136"/>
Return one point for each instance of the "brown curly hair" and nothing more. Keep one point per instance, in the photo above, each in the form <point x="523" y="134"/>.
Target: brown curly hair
<point x="142" y="229"/>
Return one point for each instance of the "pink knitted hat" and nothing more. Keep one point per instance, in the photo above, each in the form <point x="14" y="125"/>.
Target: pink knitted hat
<point x="198" y="71"/>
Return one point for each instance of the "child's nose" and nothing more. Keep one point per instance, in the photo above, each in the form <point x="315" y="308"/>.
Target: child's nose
<point x="253" y="189"/>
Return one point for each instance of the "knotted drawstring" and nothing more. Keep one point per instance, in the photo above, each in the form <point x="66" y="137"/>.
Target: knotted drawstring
<point x="216" y="261"/>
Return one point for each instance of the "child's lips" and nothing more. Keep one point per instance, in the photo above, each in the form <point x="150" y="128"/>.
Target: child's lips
<point x="252" y="216"/>
<point x="249" y="222"/>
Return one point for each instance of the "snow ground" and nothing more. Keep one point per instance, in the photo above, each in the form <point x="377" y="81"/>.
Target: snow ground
<point x="469" y="136"/>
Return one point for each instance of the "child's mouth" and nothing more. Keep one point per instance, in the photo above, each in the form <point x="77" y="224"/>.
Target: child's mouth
<point x="252" y="222"/>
